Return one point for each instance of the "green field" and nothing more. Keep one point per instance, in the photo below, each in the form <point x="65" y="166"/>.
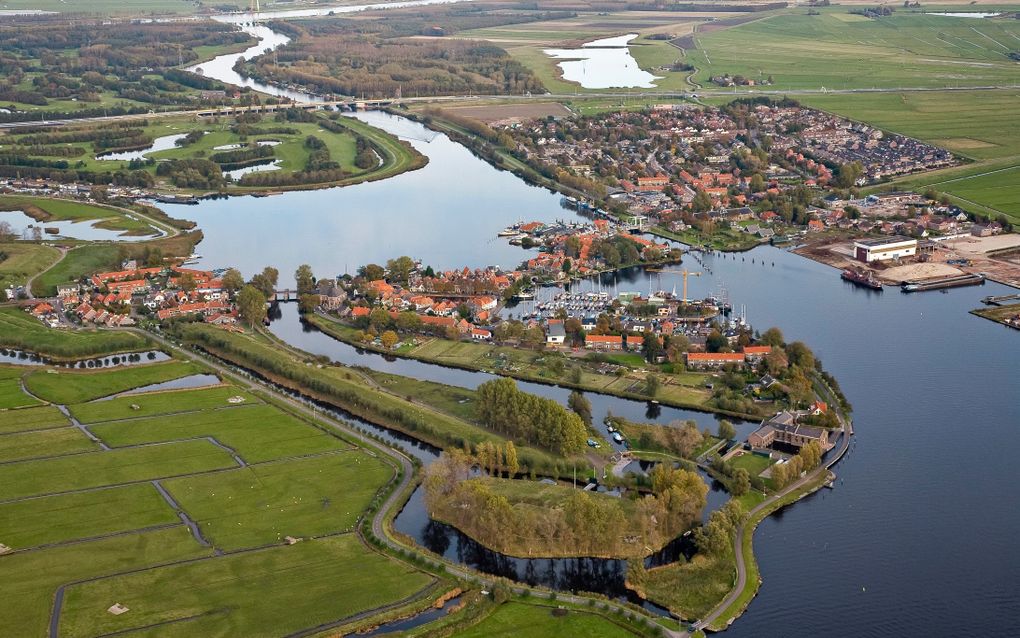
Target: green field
<point x="37" y="418"/>
<point x="18" y="329"/>
<point x="52" y="442"/>
<point x="65" y="387"/>
<point x="98" y="469"/>
<point x="33" y="577"/>
<point x="21" y="260"/>
<point x="11" y="394"/>
<point x="66" y="517"/>
<point x="271" y="592"/>
<point x="837" y="50"/>
<point x="691" y="588"/>
<point x="257" y="432"/>
<point x="261" y="504"/>
<point x="154" y="403"/>
<point x="520" y="620"/>
<point x="80" y="261"/>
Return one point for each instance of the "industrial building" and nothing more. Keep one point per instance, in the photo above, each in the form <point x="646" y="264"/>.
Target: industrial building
<point x="884" y="248"/>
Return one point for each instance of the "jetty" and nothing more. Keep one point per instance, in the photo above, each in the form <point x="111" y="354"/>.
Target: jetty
<point x="1000" y="299"/>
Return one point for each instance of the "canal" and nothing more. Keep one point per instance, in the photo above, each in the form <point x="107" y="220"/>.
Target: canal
<point x="918" y="537"/>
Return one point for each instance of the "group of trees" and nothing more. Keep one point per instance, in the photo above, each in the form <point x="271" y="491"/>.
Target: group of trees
<point x="536" y="420"/>
<point x="808" y="458"/>
<point x="195" y="173"/>
<point x="570" y="522"/>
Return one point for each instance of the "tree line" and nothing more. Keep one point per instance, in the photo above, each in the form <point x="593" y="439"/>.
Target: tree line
<point x="542" y="422"/>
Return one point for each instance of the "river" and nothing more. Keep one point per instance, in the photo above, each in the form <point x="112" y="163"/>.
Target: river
<point x="918" y="537"/>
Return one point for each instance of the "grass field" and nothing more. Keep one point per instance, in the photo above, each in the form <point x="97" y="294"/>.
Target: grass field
<point x="304" y="483"/>
<point x="261" y="504"/>
<point x="154" y="403"/>
<point x="18" y="329"/>
<point x="692" y="588"/>
<point x="78" y="262"/>
<point x="754" y="464"/>
<point x="50" y="442"/>
<point x="521" y="620"/>
<point x="34" y="418"/>
<point x="65" y="387"/>
<point x="98" y="469"/>
<point x="832" y="51"/>
<point x="11" y="394"/>
<point x="54" y="519"/>
<point x="258" y="432"/>
<point x="33" y="577"/>
<point x="271" y="592"/>
<point x="22" y="260"/>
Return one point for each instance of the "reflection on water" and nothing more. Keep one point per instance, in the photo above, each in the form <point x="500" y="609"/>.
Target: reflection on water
<point x="22" y="357"/>
<point x="603" y="64"/>
<point x="163" y="143"/>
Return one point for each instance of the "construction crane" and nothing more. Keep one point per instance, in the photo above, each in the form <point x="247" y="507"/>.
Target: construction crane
<point x="685" y="273"/>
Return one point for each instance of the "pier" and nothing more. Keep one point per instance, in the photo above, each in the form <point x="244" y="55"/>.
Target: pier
<point x="1000" y="300"/>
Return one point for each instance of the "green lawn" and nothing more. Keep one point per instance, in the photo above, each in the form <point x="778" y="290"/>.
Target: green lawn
<point x="257" y="432"/>
<point x="37" y="418"/>
<point x="21" y="260"/>
<point x="272" y="592"/>
<point x="44" y="443"/>
<point x="78" y="262"/>
<point x="261" y="504"/>
<point x="32" y="578"/>
<point x="753" y="463"/>
<point x="18" y="329"/>
<point x="155" y="403"/>
<point x="54" y="519"/>
<point x="64" y="386"/>
<point x="97" y="469"/>
<point x="521" y="620"/>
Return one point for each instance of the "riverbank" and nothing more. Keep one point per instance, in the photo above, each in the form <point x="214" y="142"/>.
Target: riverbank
<point x="685" y="391"/>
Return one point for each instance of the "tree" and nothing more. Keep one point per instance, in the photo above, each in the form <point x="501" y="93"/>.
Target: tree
<point x="187" y="282"/>
<point x="251" y="305"/>
<point x="308" y="303"/>
<point x="848" y="174"/>
<point x="581" y="406"/>
<point x="800" y="355"/>
<point x="400" y="269"/>
<point x="702" y="202"/>
<point x="757" y="183"/>
<point x="305" y="279"/>
<point x="772" y="337"/>
<point x="652" y="385"/>
<point x="741" y="482"/>
<point x="726" y="430"/>
<point x="232" y="280"/>
<point x="389" y="339"/>
<point x="510" y="455"/>
<point x="371" y="272"/>
<point x="272" y="275"/>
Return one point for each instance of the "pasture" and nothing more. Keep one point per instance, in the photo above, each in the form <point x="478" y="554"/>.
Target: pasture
<point x="838" y="51"/>
<point x="19" y="261"/>
<point x="82" y="512"/>
<point x="20" y="330"/>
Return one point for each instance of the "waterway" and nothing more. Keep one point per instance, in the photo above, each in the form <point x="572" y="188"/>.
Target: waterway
<point x="603" y="64"/>
<point x="164" y="143"/>
<point x="86" y="229"/>
<point x="918" y="536"/>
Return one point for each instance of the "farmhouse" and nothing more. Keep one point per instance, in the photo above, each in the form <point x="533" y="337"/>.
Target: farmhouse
<point x="884" y="248"/>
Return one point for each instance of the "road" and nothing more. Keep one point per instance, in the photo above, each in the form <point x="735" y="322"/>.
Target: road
<point x="701" y="93"/>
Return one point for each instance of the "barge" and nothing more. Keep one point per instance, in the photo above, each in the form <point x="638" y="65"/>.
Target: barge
<point x="955" y="281"/>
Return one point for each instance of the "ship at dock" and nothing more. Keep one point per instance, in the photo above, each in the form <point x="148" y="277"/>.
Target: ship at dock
<point x="954" y="281"/>
<point x="862" y="277"/>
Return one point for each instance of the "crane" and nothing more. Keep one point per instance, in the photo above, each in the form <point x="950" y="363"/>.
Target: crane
<point x="685" y="273"/>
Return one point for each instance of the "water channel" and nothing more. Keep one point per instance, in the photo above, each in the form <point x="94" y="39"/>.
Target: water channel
<point x="603" y="64"/>
<point x="918" y="537"/>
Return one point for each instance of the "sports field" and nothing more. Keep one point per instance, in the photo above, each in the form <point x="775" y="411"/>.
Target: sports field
<point x="180" y="511"/>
